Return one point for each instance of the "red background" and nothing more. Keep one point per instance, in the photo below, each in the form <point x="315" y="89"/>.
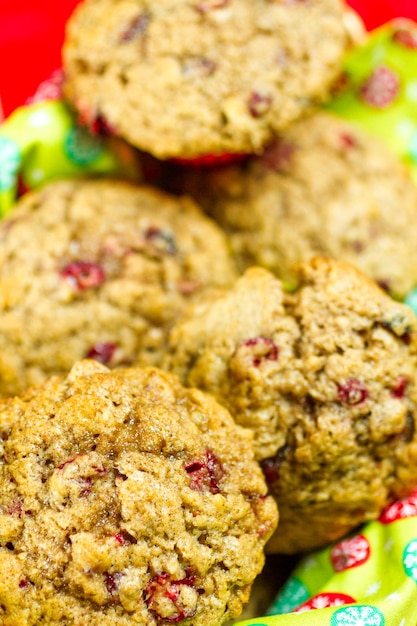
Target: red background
<point x="31" y="34"/>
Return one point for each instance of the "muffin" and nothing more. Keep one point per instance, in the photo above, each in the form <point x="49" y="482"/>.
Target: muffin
<point x="323" y="188"/>
<point x="326" y="379"/>
<point x="182" y="79"/>
<point x="126" y="499"/>
<point x="99" y="269"/>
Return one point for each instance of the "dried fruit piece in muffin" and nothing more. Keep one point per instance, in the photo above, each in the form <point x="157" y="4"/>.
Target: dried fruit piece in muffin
<point x="110" y="529"/>
<point x="99" y="269"/>
<point x="324" y="187"/>
<point x="180" y="78"/>
<point x="326" y="379"/>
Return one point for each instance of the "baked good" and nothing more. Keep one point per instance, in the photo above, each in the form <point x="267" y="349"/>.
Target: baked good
<point x="326" y="379"/>
<point x="181" y="79"/>
<point x="126" y="499"/>
<point x="99" y="269"/>
<point x="323" y="188"/>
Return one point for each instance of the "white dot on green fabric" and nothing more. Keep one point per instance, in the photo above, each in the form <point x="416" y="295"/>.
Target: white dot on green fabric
<point x="405" y="128"/>
<point x="378" y="54"/>
<point x="81" y="147"/>
<point x="358" y="615"/>
<point x="10" y="159"/>
<point x="38" y="119"/>
<point x="411" y="91"/>
<point x="410" y="559"/>
<point x="37" y="175"/>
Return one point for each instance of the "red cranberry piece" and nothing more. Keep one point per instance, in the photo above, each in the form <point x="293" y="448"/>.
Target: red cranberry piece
<point x="278" y="156"/>
<point x="96" y="123"/>
<point x="205" y="474"/>
<point x="406" y="37"/>
<point x="347" y="141"/>
<point x="399" y="390"/>
<point x="123" y="538"/>
<point x="112" y="582"/>
<point x="86" y="490"/>
<point x="137" y="28"/>
<point x="15" y="508"/>
<point x="211" y="5"/>
<point x="161" y="588"/>
<point x="381" y="88"/>
<point x="261" y="349"/>
<point x="83" y="274"/>
<point x="271" y="466"/>
<point x="352" y="392"/>
<point x="162" y="240"/>
<point x="259" y="104"/>
<point x="100" y="126"/>
<point x="67" y="462"/>
<point x="23" y="584"/>
<point x="102" y="352"/>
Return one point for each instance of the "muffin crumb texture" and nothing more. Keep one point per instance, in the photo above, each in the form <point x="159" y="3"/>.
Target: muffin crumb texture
<point x="99" y="269"/>
<point x="126" y="499"/>
<point x="322" y="187"/>
<point x="325" y="378"/>
<point x="221" y="76"/>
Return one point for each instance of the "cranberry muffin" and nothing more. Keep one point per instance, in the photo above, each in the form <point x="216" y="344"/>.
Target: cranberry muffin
<point x="323" y="188"/>
<point x="326" y="379"/>
<point x="99" y="269"/>
<point x="181" y="79"/>
<point x="126" y="499"/>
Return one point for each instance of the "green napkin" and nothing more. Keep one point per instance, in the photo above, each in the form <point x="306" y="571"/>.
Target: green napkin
<point x="367" y="579"/>
<point x="378" y="89"/>
<point x="42" y="142"/>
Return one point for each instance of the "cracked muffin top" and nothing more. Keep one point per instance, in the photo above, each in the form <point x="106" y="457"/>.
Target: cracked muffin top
<point x="324" y="187"/>
<point x="99" y="269"/>
<point x="180" y="78"/>
<point x="326" y="379"/>
<point x="126" y="499"/>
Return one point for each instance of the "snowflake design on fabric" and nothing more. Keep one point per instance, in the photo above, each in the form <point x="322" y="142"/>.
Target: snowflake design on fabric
<point x="410" y="559"/>
<point x="407" y="507"/>
<point x="350" y="553"/>
<point x="373" y="588"/>
<point x="324" y="601"/>
<point x="363" y="615"/>
<point x="10" y="159"/>
<point x="290" y="597"/>
<point x="81" y="146"/>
